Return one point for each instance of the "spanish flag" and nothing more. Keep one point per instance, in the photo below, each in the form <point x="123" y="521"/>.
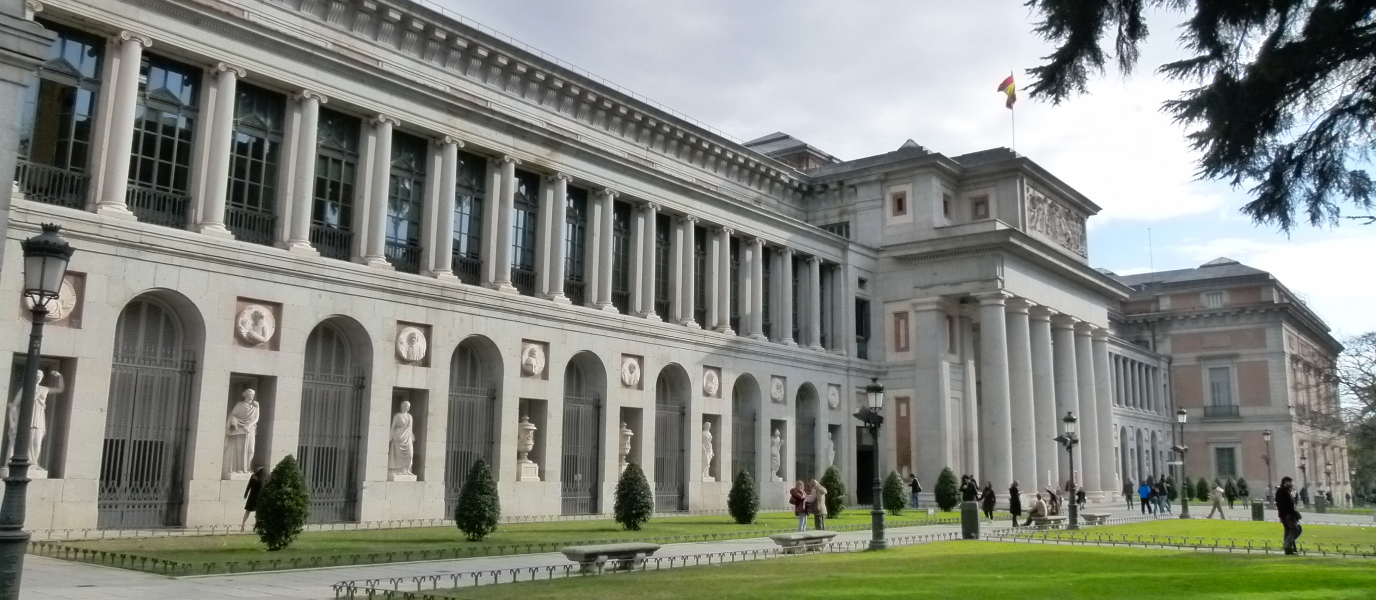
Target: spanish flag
<point x="1007" y="88"/>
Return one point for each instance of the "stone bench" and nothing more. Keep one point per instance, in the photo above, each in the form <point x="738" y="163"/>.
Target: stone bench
<point x="1095" y="518"/>
<point x="1049" y="522"/>
<point x="803" y="541"/>
<point x="594" y="558"/>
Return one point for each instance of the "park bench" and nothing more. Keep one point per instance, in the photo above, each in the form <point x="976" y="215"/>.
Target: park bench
<point x="626" y="556"/>
<point x="802" y="541"/>
<point x="1048" y="522"/>
<point x="1095" y="518"/>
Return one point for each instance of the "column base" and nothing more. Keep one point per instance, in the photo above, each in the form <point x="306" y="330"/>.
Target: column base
<point x="651" y="316"/>
<point x="302" y="248"/>
<point x="378" y="262"/>
<point x="447" y="276"/>
<point x="789" y="343"/>
<point x="816" y="348"/>
<point x="725" y="331"/>
<point x="759" y="336"/>
<point x="559" y="299"/>
<point x="690" y="324"/>
<point x="609" y="308"/>
<point x="214" y="229"/>
<point x="118" y="211"/>
<point x="505" y="287"/>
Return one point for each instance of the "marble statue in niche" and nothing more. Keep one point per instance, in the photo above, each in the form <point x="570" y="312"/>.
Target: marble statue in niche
<point x="411" y="344"/>
<point x="403" y="440"/>
<point x="625" y="448"/>
<point x="776" y="448"/>
<point x="532" y="360"/>
<point x="38" y="425"/>
<point x="831" y="450"/>
<point x="241" y="434"/>
<point x="255" y="324"/>
<point x="707" y="453"/>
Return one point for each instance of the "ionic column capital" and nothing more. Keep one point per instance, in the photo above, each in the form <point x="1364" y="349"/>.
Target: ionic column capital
<point x="726" y="230"/>
<point x="305" y="95"/>
<point x="689" y="219"/>
<point x="609" y="193"/>
<point x="814" y="260"/>
<point x="757" y="241"/>
<point x="509" y="159"/>
<point x="648" y="206"/>
<point x="449" y="140"/>
<point x="129" y="36"/>
<point x="381" y="118"/>
<point x="225" y="68"/>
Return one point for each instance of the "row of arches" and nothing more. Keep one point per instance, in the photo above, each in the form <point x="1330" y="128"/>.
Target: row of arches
<point x="1141" y="453"/>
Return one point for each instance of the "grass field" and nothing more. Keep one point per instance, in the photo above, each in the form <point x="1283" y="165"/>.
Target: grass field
<point x="980" y="570"/>
<point x="1250" y="530"/>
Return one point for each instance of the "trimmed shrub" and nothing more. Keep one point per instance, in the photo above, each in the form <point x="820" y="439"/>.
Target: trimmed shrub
<point x="283" y="506"/>
<point x="947" y="493"/>
<point x="634" y="502"/>
<point x="479" y="507"/>
<point x="1202" y="489"/>
<point x="836" y="492"/>
<point x="894" y="498"/>
<point x="743" y="501"/>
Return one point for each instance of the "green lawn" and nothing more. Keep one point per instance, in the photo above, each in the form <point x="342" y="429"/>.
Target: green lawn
<point x="1239" y="529"/>
<point x="508" y="539"/>
<point x="980" y="570"/>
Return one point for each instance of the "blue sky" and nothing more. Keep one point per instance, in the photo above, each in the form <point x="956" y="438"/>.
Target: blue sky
<point x="857" y="78"/>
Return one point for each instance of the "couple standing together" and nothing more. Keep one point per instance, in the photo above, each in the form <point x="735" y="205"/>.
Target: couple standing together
<point x="809" y="498"/>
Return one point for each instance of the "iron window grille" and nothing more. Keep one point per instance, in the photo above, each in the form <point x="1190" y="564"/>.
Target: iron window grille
<point x="527" y="217"/>
<point x="745" y="422"/>
<point x="621" y="256"/>
<point x="58" y="113"/>
<point x="842" y="229"/>
<point x="472" y="417"/>
<point x="405" y="202"/>
<point x="662" y="247"/>
<point x="794" y="268"/>
<point x="164" y="128"/>
<point x="766" y="292"/>
<point x="700" y="275"/>
<point x="468" y="219"/>
<point x="336" y="168"/>
<point x="862" y="328"/>
<point x="579" y="476"/>
<point x="671" y="461"/>
<point x="250" y="210"/>
<point x="575" y="245"/>
<point x="734" y="318"/>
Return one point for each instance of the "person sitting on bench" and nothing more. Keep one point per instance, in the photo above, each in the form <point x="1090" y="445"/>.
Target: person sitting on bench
<point x="1038" y="511"/>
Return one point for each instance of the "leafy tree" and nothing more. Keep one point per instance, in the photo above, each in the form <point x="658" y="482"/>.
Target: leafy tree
<point x="1189" y="488"/>
<point x="836" y="492"/>
<point x="743" y="502"/>
<point x="1230" y="490"/>
<point x="283" y="506"/>
<point x="634" y="502"/>
<point x="1202" y="489"/>
<point x="479" y="506"/>
<point x="1242" y="490"/>
<point x="894" y="498"/>
<point x="1286" y="99"/>
<point x="947" y="493"/>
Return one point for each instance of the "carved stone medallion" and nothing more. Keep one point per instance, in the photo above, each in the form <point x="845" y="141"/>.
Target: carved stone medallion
<point x="711" y="382"/>
<point x="630" y="371"/>
<point x="255" y="324"/>
<point x="60" y="307"/>
<point x="411" y="344"/>
<point x="833" y="396"/>
<point x="778" y="390"/>
<point x="532" y="359"/>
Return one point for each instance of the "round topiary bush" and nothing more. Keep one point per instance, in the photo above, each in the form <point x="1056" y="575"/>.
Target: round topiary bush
<point x="283" y="506"/>
<point x="634" y="502"/>
<point x="479" y="506"/>
<point x="743" y="501"/>
<point x="894" y="498"/>
<point x="836" y="492"/>
<point x="1202" y="489"/>
<point x="947" y="492"/>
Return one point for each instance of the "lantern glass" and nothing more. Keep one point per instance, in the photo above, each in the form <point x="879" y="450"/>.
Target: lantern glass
<point x="874" y="393"/>
<point x="1180" y="416"/>
<point x="45" y="265"/>
<point x="1071" y="424"/>
<point x="1266" y="435"/>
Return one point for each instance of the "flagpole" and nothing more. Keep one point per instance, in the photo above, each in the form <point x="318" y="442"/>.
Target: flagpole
<point x="1013" y="122"/>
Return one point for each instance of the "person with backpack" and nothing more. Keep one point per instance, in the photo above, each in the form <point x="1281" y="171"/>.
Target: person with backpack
<point x="1145" y="493"/>
<point x="916" y="487"/>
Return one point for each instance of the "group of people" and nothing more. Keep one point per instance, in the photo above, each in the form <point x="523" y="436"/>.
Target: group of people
<point x="809" y="499"/>
<point x="1152" y="496"/>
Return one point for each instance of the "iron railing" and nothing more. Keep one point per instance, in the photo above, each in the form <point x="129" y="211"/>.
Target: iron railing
<point x="167" y="209"/>
<point x="575" y="291"/>
<point x="1221" y="411"/>
<point x="405" y="256"/>
<point x="51" y="185"/>
<point x="467" y="268"/>
<point x="331" y="242"/>
<point x="523" y="280"/>
<point x="621" y="299"/>
<point x="862" y="347"/>
<point x="251" y="226"/>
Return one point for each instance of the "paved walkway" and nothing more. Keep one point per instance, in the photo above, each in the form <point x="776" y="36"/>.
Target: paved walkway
<point x="51" y="579"/>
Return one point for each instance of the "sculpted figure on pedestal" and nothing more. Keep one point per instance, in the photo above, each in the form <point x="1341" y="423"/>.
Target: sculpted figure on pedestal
<point x="38" y="427"/>
<point x="707" y="452"/>
<point x="776" y="446"/>
<point x="241" y="433"/>
<point x="403" y="442"/>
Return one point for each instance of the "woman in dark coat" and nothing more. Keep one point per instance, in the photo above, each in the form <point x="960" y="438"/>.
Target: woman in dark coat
<point x="251" y="493"/>
<point x="986" y="498"/>
<point x="1015" y="502"/>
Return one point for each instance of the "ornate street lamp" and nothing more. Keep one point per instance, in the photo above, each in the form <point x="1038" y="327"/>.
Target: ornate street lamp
<point x="1270" y="489"/>
<point x="1328" y="475"/>
<point x="872" y="418"/>
<point x="1069" y="438"/>
<point x="1182" y="449"/>
<point x="45" y="265"/>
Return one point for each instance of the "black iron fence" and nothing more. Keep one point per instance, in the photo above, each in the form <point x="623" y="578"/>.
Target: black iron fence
<point x="252" y="226"/>
<point x="51" y="185"/>
<point x="157" y="207"/>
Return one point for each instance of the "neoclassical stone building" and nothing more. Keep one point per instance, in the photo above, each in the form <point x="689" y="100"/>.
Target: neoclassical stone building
<point x="421" y="245"/>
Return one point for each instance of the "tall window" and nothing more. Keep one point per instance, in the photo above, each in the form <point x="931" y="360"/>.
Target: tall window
<point x="1220" y="386"/>
<point x="862" y="328"/>
<point x="405" y="202"/>
<point x="523" y="232"/>
<point x="734" y="248"/>
<point x="1225" y="460"/>
<point x="575" y="244"/>
<point x="662" y="225"/>
<point x="336" y="166"/>
<point x="900" y="332"/>
<point x="468" y="219"/>
<point x="1213" y="299"/>
<point x="842" y="229"/>
<point x="823" y="302"/>
<point x="164" y="124"/>
<point x="766" y="326"/>
<point x="250" y="210"/>
<point x="621" y="256"/>
<point x="795" y="269"/>
<point x="55" y="136"/>
<point x="700" y="275"/>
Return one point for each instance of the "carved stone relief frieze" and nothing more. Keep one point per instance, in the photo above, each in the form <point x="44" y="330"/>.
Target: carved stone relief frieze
<point x="1057" y="222"/>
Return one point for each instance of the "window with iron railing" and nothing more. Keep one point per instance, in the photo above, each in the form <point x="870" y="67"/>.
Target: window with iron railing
<point x="766" y="324"/>
<point x="662" y="247"/>
<point x="824" y="327"/>
<point x="734" y="248"/>
<point x="575" y="244"/>
<point x="58" y="113"/>
<point x="336" y="166"/>
<point x="862" y="328"/>
<point x="405" y="202"/>
<point x="524" y="224"/>
<point x="251" y="208"/>
<point x="794" y="269"/>
<point x="842" y="229"/>
<point x="468" y="218"/>
<point x="621" y="256"/>
<point x="700" y="275"/>
<point x="164" y="130"/>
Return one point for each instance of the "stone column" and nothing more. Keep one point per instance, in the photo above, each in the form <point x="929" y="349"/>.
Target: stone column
<point x="1044" y="398"/>
<point x="549" y="227"/>
<point x="934" y="426"/>
<point x="757" y="258"/>
<point x="442" y="263"/>
<point x="303" y="183"/>
<point x="785" y="303"/>
<point x="491" y="241"/>
<point x="723" y="279"/>
<point x="505" y="209"/>
<point x="643" y="262"/>
<point x="1104" y="400"/>
<point x="1067" y="387"/>
<point x="841" y="335"/>
<point x="555" y="258"/>
<point x="1022" y="418"/>
<point x="995" y="428"/>
<point x="683" y="284"/>
<point x="211" y="219"/>
<point x="1089" y="408"/>
<point x="124" y="91"/>
<point x="376" y="235"/>
<point x="814" y="303"/>
<point x="606" y="204"/>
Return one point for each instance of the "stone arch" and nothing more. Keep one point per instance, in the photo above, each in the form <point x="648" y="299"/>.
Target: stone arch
<point x="334" y="412"/>
<point x="673" y="391"/>
<point x="806" y="413"/>
<point x="475" y="392"/>
<point x="145" y="456"/>
<point x="746" y="407"/>
<point x="585" y="386"/>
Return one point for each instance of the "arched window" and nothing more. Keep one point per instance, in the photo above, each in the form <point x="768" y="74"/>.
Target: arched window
<point x="331" y="421"/>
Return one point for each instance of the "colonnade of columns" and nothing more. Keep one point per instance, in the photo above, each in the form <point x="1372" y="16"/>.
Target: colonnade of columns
<point x="1136" y="385"/>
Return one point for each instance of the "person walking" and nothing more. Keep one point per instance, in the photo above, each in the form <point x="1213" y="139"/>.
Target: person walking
<point x="1163" y="498"/>
<point x="817" y="504"/>
<point x="1080" y="498"/>
<point x="1144" y="497"/>
<point x="915" y="486"/>
<point x="1128" y="491"/>
<point x="1289" y="517"/>
<point x="798" y="499"/>
<point x="1216" y="497"/>
<point x="252" y="491"/>
<point x="1014" y="502"/>
<point x="987" y="499"/>
<point x="1304" y="496"/>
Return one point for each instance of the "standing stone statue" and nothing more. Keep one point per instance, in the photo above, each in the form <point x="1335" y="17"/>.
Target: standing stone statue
<point x="38" y="427"/>
<point x="403" y="442"/>
<point x="831" y="450"/>
<point x="776" y="447"/>
<point x="241" y="434"/>
<point x="707" y="452"/>
<point x="625" y="448"/>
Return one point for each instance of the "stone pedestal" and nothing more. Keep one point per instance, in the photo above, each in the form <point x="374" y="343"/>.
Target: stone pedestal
<point x="238" y="476"/>
<point x="776" y="479"/>
<point x="709" y="479"/>
<point x="400" y="477"/>
<point x="527" y="471"/>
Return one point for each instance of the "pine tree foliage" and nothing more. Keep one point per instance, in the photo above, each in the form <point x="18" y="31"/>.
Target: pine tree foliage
<point x="743" y="501"/>
<point x="283" y="506"/>
<point x="836" y="492"/>
<point x="894" y="498"/>
<point x="479" y="507"/>
<point x="1285" y="100"/>
<point x="947" y="492"/>
<point x="634" y="502"/>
